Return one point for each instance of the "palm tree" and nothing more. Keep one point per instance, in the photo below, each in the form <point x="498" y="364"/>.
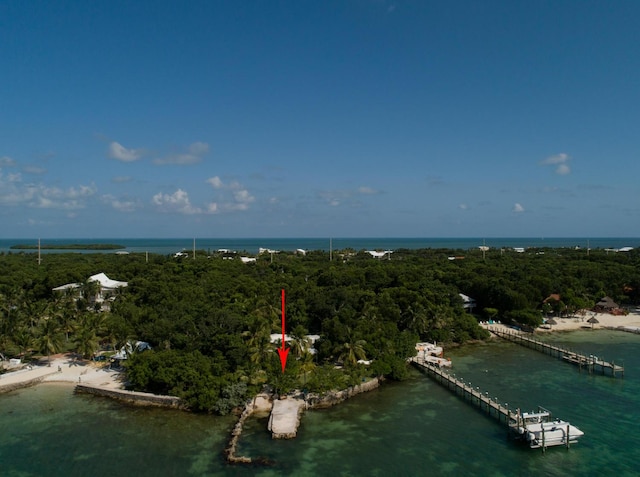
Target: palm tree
<point x="9" y="317"/>
<point x="23" y="338"/>
<point x="49" y="340"/>
<point x="307" y="365"/>
<point x="86" y="341"/>
<point x="352" y="349"/>
<point x="90" y="289"/>
<point x="299" y="343"/>
<point x="416" y="319"/>
<point x="90" y="327"/>
<point x="260" y="350"/>
<point x="267" y="311"/>
<point x="66" y="312"/>
<point x="37" y="311"/>
<point x="258" y="338"/>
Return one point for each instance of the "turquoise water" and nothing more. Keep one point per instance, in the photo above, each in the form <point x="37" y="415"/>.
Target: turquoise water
<point x="415" y="427"/>
<point x="252" y="245"/>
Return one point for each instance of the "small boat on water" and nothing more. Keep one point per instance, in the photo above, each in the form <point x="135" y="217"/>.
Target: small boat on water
<point x="538" y="429"/>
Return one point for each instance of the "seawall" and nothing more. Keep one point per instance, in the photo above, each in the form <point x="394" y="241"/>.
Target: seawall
<point x="336" y="397"/>
<point x="6" y="388"/>
<point x="132" y="397"/>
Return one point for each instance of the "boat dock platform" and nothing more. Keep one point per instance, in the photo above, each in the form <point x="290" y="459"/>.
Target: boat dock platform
<point x="591" y="363"/>
<point x="513" y="418"/>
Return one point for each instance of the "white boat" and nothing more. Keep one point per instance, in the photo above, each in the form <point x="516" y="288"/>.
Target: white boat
<point x="538" y="429"/>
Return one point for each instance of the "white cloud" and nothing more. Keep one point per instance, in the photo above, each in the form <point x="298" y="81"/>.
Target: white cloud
<point x="364" y="190"/>
<point x="193" y="155"/>
<point x="66" y="199"/>
<point x="121" y="153"/>
<point x="346" y="197"/>
<point x="215" y="182"/>
<point x="555" y="159"/>
<point x="241" y="196"/>
<point x="176" y="202"/>
<point x="560" y="161"/>
<point x="17" y="177"/>
<point x="17" y="193"/>
<point x="199" y="148"/>
<point x="121" y="179"/>
<point x="34" y="170"/>
<point x="122" y="205"/>
<point x="6" y="161"/>
<point x="517" y="208"/>
<point x="331" y="197"/>
<point x="463" y="207"/>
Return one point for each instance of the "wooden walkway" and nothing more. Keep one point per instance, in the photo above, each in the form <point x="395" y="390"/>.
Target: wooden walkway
<point x="590" y="363"/>
<point x="469" y="393"/>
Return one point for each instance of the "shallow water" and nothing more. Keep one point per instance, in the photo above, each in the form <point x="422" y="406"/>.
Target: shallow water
<point x="414" y="427"/>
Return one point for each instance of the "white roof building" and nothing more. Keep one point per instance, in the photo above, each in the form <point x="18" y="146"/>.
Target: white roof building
<point x="108" y="287"/>
<point x="107" y="283"/>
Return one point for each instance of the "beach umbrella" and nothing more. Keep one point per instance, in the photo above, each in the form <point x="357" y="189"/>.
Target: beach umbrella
<point x="593" y="320"/>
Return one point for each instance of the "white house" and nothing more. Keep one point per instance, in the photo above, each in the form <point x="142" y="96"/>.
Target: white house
<point x="107" y="287"/>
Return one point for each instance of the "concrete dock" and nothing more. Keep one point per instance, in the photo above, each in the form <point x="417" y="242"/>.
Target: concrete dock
<point x="285" y="418"/>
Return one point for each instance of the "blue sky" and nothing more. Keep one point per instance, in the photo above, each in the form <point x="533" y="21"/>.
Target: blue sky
<point x="319" y="118"/>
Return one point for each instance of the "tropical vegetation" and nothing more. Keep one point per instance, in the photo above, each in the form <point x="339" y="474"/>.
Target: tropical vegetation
<point x="209" y="320"/>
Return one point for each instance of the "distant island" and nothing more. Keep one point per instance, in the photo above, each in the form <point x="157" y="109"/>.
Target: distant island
<point x="70" y="246"/>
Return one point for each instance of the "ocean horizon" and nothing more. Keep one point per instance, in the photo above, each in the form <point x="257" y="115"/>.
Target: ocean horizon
<point x="166" y="246"/>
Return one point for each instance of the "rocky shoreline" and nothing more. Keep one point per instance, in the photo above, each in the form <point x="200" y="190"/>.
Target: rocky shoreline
<point x="285" y="415"/>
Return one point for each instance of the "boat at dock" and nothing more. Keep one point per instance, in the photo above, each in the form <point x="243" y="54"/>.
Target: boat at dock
<point x="539" y="430"/>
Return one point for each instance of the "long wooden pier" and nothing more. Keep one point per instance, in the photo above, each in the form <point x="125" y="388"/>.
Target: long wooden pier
<point x="590" y="363"/>
<point x="475" y="396"/>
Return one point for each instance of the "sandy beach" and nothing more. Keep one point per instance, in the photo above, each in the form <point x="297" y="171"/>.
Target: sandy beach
<point x="64" y="369"/>
<point x="580" y="322"/>
<point x="605" y="321"/>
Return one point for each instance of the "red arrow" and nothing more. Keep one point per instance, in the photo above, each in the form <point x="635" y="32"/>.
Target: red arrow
<point x="283" y="352"/>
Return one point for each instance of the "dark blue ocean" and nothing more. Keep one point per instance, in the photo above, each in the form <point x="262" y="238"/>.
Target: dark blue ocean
<point x="252" y="245"/>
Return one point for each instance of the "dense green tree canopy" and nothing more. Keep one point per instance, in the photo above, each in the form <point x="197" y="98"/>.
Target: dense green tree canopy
<point x="209" y="320"/>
